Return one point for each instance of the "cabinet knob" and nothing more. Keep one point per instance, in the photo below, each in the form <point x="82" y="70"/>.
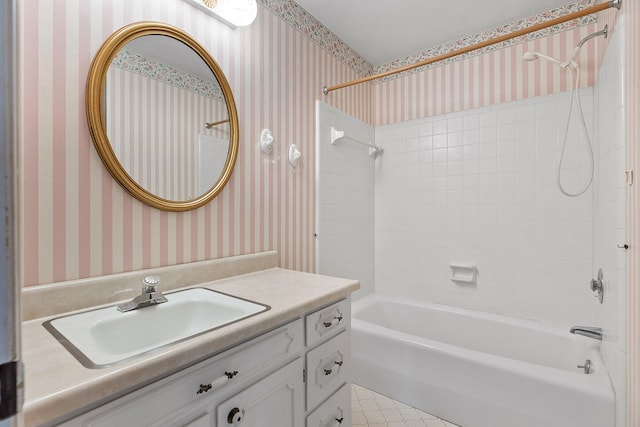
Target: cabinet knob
<point x="235" y="416"/>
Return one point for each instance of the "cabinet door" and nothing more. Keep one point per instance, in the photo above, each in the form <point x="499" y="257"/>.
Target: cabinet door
<point x="274" y="401"/>
<point x="203" y="420"/>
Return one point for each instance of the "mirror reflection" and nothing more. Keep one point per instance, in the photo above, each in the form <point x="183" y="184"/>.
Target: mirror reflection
<point x="166" y="117"/>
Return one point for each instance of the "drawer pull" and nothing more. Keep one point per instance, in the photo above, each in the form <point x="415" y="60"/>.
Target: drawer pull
<point x="330" y="371"/>
<point x="204" y="388"/>
<point x="217" y="382"/>
<point x="336" y="320"/>
<point x="340" y="420"/>
<point x="230" y="375"/>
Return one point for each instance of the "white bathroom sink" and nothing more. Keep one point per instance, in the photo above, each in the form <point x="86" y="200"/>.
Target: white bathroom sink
<point x="106" y="336"/>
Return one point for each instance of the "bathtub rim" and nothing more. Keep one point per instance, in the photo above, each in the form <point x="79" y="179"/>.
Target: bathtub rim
<point x="599" y="382"/>
<point x="370" y="299"/>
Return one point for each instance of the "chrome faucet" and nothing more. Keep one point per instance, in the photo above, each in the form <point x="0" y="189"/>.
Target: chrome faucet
<point x="150" y="295"/>
<point x="597" y="286"/>
<point x="587" y="331"/>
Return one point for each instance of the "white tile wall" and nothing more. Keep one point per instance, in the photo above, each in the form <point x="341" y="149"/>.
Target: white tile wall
<point x="479" y="187"/>
<point x="345" y="199"/>
<point x="609" y="213"/>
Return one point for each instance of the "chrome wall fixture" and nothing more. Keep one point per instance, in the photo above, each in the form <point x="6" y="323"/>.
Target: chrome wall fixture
<point x="597" y="286"/>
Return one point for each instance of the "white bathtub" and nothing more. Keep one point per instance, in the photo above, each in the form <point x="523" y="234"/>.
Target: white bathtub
<point x="476" y="369"/>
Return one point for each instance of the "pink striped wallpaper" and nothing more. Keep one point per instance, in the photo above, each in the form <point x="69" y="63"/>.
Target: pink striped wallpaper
<point x="154" y="128"/>
<point x="76" y="222"/>
<point x="492" y="78"/>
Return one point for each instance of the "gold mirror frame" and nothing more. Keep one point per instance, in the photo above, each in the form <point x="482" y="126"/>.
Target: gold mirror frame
<point x="95" y="113"/>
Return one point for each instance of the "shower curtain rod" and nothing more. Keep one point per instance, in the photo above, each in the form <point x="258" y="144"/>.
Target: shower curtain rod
<point x="212" y="124"/>
<point x="533" y="28"/>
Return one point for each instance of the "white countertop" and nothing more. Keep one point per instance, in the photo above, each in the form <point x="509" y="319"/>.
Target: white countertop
<point x="58" y="386"/>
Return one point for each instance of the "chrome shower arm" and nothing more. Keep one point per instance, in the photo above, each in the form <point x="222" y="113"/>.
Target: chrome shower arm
<point x="604" y="32"/>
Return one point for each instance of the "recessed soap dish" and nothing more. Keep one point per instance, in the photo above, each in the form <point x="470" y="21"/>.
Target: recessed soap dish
<point x="464" y="273"/>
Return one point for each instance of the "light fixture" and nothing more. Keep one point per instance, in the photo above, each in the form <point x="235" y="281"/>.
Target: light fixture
<point x="234" y="13"/>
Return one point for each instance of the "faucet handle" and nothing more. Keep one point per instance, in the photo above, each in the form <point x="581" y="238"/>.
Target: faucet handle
<point x="150" y="283"/>
<point x="597" y="286"/>
<point x="586" y="366"/>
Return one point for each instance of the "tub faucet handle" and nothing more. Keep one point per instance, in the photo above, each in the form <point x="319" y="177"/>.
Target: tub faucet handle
<point x="597" y="286"/>
<point x="586" y="366"/>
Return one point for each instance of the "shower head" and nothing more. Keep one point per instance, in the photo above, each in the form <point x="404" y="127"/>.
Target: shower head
<point x="532" y="56"/>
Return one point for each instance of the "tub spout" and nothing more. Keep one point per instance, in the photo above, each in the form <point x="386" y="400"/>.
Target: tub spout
<point x="587" y="331"/>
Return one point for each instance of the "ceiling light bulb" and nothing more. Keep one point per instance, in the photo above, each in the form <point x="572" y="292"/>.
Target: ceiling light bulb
<point x="239" y="12"/>
<point x="234" y="13"/>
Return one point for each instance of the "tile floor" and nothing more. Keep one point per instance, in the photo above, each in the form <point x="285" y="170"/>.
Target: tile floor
<point x="371" y="409"/>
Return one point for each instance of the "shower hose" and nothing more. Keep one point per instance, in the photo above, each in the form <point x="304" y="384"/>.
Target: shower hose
<point x="575" y="83"/>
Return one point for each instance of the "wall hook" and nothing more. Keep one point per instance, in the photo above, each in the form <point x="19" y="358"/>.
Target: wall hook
<point x="294" y="156"/>
<point x="268" y="148"/>
<point x="266" y="141"/>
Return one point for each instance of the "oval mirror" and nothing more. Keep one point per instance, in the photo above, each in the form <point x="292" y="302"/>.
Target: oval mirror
<point x="162" y="116"/>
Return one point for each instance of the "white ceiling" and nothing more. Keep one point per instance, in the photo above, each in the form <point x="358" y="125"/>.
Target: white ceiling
<point x="384" y="30"/>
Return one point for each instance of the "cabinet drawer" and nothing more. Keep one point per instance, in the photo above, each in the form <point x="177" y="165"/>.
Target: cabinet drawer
<point x="328" y="367"/>
<point x="336" y="411"/>
<point x="327" y="321"/>
<point x="200" y="382"/>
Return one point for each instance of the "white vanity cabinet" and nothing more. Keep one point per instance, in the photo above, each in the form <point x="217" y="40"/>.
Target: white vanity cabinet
<point x="295" y="375"/>
<point x="328" y="365"/>
<point x="189" y="397"/>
